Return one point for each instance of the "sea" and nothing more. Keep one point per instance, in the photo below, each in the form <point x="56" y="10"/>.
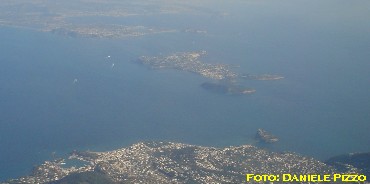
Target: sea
<point x="61" y="93"/>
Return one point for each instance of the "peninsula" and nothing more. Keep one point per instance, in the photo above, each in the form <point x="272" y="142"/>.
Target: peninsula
<point x="168" y="162"/>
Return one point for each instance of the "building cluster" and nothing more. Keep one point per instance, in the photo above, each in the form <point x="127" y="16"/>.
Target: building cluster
<point x="190" y="62"/>
<point x="166" y="162"/>
<point x="107" y="31"/>
<point x="70" y="18"/>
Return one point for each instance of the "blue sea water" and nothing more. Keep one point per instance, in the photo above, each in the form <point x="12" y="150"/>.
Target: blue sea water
<point x="320" y="109"/>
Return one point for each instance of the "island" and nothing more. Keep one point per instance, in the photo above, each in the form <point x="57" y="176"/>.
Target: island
<point x="266" y="137"/>
<point x="225" y="79"/>
<point x="190" y="62"/>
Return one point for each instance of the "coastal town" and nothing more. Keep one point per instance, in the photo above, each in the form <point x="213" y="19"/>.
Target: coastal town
<point x="168" y="162"/>
<point x="70" y="19"/>
<point x="107" y="31"/>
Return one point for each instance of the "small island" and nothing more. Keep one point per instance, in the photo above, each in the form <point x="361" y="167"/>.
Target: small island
<point x="266" y="137"/>
<point x="225" y="79"/>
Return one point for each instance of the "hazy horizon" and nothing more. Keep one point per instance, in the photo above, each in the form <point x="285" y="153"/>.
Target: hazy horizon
<point x="60" y="91"/>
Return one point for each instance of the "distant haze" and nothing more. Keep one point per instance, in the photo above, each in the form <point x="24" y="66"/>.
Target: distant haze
<point x="59" y="90"/>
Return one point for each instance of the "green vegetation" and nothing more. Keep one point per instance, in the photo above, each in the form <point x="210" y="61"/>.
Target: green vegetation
<point x="85" y="178"/>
